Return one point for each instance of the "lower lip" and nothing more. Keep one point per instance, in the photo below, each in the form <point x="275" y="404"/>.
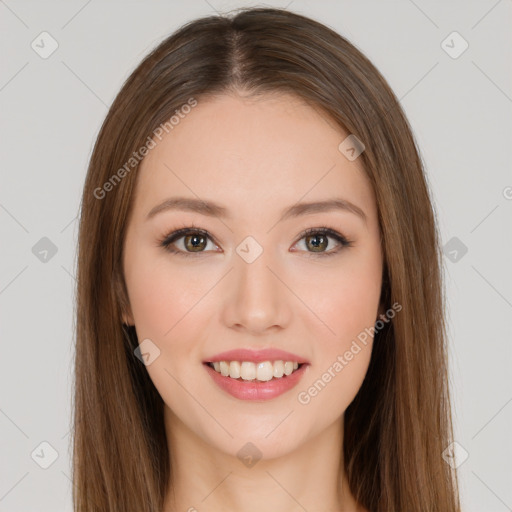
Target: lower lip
<point x="254" y="389"/>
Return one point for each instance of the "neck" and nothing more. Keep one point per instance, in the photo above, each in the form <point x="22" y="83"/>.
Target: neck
<point x="204" y="478"/>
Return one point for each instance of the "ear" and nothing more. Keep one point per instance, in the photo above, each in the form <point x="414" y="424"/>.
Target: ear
<point x="122" y="300"/>
<point x="128" y="318"/>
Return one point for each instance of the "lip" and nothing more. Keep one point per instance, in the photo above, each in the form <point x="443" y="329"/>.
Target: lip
<point x="253" y="389"/>
<point x="256" y="356"/>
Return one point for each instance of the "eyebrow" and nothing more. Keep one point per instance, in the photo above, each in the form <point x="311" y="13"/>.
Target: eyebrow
<point x="212" y="209"/>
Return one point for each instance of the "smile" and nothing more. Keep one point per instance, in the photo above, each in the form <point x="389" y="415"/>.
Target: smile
<point x="264" y="380"/>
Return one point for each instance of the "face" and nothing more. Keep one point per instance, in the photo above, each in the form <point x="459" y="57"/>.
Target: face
<point x="253" y="270"/>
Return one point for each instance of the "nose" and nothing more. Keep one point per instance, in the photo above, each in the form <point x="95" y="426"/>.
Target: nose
<point x="256" y="300"/>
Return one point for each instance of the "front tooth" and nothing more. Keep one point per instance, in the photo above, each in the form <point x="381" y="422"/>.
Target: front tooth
<point x="248" y="370"/>
<point x="288" y="367"/>
<point x="234" y="369"/>
<point x="278" y="369"/>
<point x="264" y="371"/>
<point x="224" y="368"/>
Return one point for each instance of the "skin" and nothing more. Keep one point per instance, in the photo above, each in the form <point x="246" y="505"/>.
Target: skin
<point x="255" y="157"/>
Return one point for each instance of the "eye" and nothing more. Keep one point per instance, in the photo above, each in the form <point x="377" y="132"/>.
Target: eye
<point x="191" y="240"/>
<point x="187" y="241"/>
<point x="317" y="239"/>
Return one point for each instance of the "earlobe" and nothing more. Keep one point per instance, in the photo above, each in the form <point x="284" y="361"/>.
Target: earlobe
<point x="126" y="312"/>
<point x="123" y="301"/>
<point x="128" y="319"/>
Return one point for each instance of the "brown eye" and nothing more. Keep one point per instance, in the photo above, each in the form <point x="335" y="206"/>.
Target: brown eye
<point x="188" y="241"/>
<point x="195" y="242"/>
<point x="317" y="242"/>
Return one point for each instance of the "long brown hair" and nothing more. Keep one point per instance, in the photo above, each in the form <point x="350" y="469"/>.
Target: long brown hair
<point x="400" y="421"/>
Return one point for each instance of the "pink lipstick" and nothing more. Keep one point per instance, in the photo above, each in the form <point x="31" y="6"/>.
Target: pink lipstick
<point x="256" y="374"/>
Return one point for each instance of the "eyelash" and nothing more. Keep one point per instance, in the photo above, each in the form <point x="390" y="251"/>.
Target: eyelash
<point x="169" y="239"/>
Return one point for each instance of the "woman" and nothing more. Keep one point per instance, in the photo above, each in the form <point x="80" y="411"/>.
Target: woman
<point x="260" y="309"/>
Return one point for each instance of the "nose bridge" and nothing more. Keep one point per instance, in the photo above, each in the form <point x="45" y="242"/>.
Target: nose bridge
<point x="257" y="299"/>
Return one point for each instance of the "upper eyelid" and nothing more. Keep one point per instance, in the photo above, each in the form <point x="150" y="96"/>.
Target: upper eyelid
<point x="178" y="233"/>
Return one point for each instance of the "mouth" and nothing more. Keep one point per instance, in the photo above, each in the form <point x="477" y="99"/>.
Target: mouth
<point x="257" y="381"/>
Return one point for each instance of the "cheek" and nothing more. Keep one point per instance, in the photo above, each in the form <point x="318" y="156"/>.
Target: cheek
<point x="348" y="304"/>
<point x="349" y="307"/>
<point x="341" y="359"/>
<point x="169" y="308"/>
<point x="354" y="308"/>
<point x="161" y="299"/>
<point x="329" y="390"/>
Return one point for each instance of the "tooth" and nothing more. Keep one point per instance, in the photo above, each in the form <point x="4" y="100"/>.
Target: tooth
<point x="234" y="369"/>
<point x="248" y="370"/>
<point x="288" y="367"/>
<point x="278" y="369"/>
<point x="264" y="371"/>
<point x="224" y="368"/>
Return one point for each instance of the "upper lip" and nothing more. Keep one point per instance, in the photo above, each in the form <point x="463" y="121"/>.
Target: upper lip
<point x="257" y="356"/>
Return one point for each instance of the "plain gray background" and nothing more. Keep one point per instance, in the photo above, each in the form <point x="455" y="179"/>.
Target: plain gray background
<point x="459" y="107"/>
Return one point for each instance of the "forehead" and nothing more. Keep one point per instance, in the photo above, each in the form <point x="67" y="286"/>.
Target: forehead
<point x="249" y="152"/>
